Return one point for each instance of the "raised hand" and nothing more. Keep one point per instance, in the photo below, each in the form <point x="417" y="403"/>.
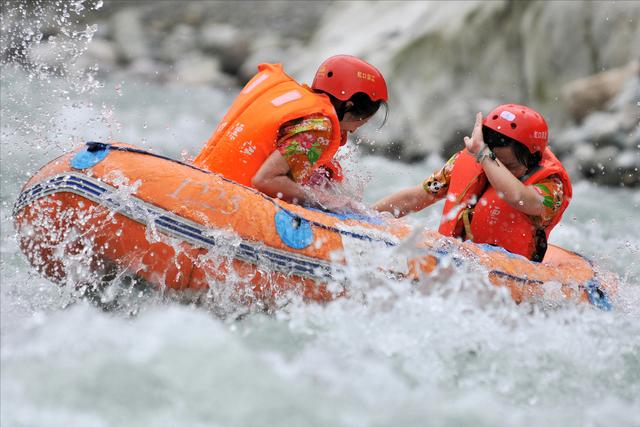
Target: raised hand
<point x="476" y="142"/>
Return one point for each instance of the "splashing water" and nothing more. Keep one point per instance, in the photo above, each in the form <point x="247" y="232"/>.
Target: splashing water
<point x="449" y="351"/>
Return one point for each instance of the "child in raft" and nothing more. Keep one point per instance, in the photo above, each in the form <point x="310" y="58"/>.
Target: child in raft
<point x="506" y="188"/>
<point x="281" y="137"/>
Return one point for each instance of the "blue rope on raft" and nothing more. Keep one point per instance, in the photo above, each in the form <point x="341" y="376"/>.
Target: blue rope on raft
<point x="350" y="215"/>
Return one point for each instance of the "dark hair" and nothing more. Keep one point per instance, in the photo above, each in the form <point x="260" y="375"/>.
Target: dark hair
<point x="363" y="107"/>
<point x="523" y="155"/>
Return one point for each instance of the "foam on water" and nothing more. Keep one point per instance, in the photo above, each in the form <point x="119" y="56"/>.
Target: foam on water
<point x="450" y="351"/>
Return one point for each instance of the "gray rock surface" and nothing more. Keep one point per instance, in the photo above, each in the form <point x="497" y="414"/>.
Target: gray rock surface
<point x="227" y="43"/>
<point x="444" y="54"/>
<point x="574" y="61"/>
<point x="129" y="35"/>
<point x="593" y="93"/>
<point x="607" y="143"/>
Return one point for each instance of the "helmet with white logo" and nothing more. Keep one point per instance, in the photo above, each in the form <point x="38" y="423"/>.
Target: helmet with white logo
<point x="520" y="123"/>
<point x="342" y="76"/>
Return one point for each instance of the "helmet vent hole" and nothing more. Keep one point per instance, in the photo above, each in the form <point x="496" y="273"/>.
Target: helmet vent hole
<point x="513" y="125"/>
<point x="330" y="74"/>
<point x="495" y="117"/>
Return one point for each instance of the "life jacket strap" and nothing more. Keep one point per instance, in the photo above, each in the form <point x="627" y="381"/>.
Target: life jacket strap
<point x="466" y="220"/>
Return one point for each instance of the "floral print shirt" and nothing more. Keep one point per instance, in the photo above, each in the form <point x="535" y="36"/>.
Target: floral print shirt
<point x="301" y="142"/>
<point x="550" y="188"/>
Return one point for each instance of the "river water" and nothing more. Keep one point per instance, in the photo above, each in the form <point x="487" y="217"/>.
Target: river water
<point x="451" y="353"/>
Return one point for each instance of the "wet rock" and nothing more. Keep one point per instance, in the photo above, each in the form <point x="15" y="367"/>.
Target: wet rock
<point x="585" y="156"/>
<point x="628" y="159"/>
<point x="633" y="142"/>
<point x="100" y="53"/>
<point x="147" y="68"/>
<point x="436" y="55"/>
<point x="609" y="166"/>
<point x="584" y="96"/>
<point x="568" y="140"/>
<point x="129" y="35"/>
<point x="228" y="43"/>
<point x="179" y="43"/>
<point x="627" y="166"/>
<point x="629" y="95"/>
<point x="573" y="168"/>
<point x="197" y="69"/>
<point x="604" y="129"/>
<point x="438" y="59"/>
<point x="549" y="33"/>
<point x="267" y="49"/>
<point x="604" y="158"/>
<point x="609" y="140"/>
<point x="456" y="120"/>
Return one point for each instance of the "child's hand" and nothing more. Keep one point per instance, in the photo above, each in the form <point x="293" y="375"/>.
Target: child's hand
<point x="476" y="142"/>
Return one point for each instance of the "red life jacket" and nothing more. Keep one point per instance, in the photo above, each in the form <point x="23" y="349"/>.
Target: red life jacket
<point x="494" y="221"/>
<point x="247" y="134"/>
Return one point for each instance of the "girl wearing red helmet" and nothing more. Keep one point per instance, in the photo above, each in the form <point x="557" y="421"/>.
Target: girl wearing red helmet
<point x="279" y="136"/>
<point x="506" y="188"/>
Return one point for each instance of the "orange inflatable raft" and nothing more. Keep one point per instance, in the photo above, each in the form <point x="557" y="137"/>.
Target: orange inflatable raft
<point x="114" y="207"/>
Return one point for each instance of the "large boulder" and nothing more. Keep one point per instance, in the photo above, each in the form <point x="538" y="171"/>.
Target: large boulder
<point x="593" y="93"/>
<point x="129" y="35"/>
<point x="199" y="69"/>
<point x="180" y="42"/>
<point x="436" y="55"/>
<point x="100" y="54"/>
<point x="226" y="42"/>
<point x="606" y="146"/>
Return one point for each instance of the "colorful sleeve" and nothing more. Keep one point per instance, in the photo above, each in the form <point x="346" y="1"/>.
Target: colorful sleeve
<point x="301" y="142"/>
<point x="438" y="183"/>
<point x="552" y="196"/>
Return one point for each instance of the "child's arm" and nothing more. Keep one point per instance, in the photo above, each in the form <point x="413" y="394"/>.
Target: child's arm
<point x="522" y="197"/>
<point x="272" y="179"/>
<point x="405" y="201"/>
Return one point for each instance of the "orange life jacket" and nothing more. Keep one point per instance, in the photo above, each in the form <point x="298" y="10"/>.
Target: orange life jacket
<point x="494" y="221"/>
<point x="247" y="134"/>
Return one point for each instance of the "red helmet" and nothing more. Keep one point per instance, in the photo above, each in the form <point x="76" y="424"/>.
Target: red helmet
<point x="344" y="75"/>
<point x="521" y="123"/>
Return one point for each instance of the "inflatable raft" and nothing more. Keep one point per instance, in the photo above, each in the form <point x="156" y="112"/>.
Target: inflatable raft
<point x="108" y="208"/>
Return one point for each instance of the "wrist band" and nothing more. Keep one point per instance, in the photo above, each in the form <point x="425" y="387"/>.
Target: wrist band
<point x="480" y="155"/>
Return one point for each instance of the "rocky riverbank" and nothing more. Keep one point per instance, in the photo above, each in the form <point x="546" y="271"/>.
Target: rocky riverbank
<point x="577" y="62"/>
